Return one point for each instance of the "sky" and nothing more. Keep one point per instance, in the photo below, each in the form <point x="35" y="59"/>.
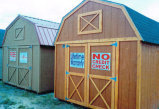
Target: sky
<point x="54" y="10"/>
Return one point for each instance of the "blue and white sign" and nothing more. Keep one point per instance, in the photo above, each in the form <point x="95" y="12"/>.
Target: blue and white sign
<point x="77" y="60"/>
<point x="23" y="57"/>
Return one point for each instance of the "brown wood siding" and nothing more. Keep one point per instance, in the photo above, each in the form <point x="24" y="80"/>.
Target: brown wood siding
<point x="150" y="76"/>
<point x="127" y="75"/>
<point x="115" y="24"/>
<point x="60" y="72"/>
<point x="47" y="68"/>
<point x="98" y="82"/>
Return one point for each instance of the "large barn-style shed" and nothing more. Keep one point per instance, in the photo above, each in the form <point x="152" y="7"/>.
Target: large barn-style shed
<point x="2" y="32"/>
<point x="28" y="54"/>
<point x="107" y="56"/>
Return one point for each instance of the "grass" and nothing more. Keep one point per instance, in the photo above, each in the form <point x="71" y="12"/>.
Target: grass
<point x="7" y="101"/>
<point x="14" y="98"/>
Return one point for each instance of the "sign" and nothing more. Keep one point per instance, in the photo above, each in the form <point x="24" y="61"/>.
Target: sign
<point x="77" y="60"/>
<point x="12" y="56"/>
<point x="23" y="57"/>
<point x="101" y="61"/>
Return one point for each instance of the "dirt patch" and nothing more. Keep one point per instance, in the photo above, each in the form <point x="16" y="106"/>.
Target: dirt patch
<point x="14" y="98"/>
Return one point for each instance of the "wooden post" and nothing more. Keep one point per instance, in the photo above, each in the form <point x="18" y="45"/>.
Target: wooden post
<point x="117" y="72"/>
<point x="138" y="91"/>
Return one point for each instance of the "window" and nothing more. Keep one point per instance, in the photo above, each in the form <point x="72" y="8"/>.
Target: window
<point x="19" y="33"/>
<point x="90" y="22"/>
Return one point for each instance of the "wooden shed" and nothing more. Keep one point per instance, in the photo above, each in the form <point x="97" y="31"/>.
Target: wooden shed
<point x="2" y="32"/>
<point x="107" y="56"/>
<point x="28" y="54"/>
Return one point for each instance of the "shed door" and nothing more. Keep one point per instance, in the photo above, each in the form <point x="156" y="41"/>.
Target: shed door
<point x="75" y="73"/>
<point x="20" y="66"/>
<point x="101" y="70"/>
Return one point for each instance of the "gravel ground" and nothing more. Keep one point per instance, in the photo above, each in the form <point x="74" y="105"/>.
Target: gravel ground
<point x="14" y="98"/>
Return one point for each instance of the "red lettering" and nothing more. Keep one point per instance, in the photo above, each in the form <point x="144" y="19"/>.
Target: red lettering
<point x="107" y="62"/>
<point x="105" y="56"/>
<point x="103" y="67"/>
<point x="107" y="67"/>
<point x="95" y="56"/>
<point x="93" y="66"/>
<point x="94" y="61"/>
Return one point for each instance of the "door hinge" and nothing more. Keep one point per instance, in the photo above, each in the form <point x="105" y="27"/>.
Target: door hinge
<point x="114" y="44"/>
<point x="67" y="46"/>
<point x="114" y="78"/>
<point x="30" y="68"/>
<point x="67" y="73"/>
<point x="63" y="46"/>
<point x="30" y="46"/>
<point x="66" y="98"/>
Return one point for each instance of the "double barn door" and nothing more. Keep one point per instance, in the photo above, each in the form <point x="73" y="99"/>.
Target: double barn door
<point x="19" y="67"/>
<point x="90" y="74"/>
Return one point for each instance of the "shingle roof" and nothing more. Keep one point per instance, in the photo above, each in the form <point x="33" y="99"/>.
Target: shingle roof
<point x="148" y="28"/>
<point x="2" y="32"/>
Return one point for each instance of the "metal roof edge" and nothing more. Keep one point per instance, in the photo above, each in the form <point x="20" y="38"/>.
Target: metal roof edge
<point x="35" y="28"/>
<point x="35" y="24"/>
<point x="39" y="19"/>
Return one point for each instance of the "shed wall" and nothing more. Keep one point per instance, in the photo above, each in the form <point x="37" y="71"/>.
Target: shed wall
<point x="29" y="38"/>
<point x="4" y="69"/>
<point x="47" y="68"/>
<point x="149" y="76"/>
<point x="115" y="24"/>
<point x="127" y="75"/>
<point x="60" y="72"/>
<point x="36" y="68"/>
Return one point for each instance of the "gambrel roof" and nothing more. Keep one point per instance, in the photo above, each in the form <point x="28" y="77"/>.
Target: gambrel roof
<point x="145" y="28"/>
<point x="46" y="30"/>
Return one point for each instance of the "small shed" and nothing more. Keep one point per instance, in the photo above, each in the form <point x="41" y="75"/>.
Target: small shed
<point x="2" y="32"/>
<point x="107" y="56"/>
<point x="28" y="54"/>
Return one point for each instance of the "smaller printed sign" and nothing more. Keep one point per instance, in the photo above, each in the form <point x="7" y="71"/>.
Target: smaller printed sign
<point x="77" y="60"/>
<point x="101" y="61"/>
<point x="23" y="57"/>
<point x="12" y="56"/>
